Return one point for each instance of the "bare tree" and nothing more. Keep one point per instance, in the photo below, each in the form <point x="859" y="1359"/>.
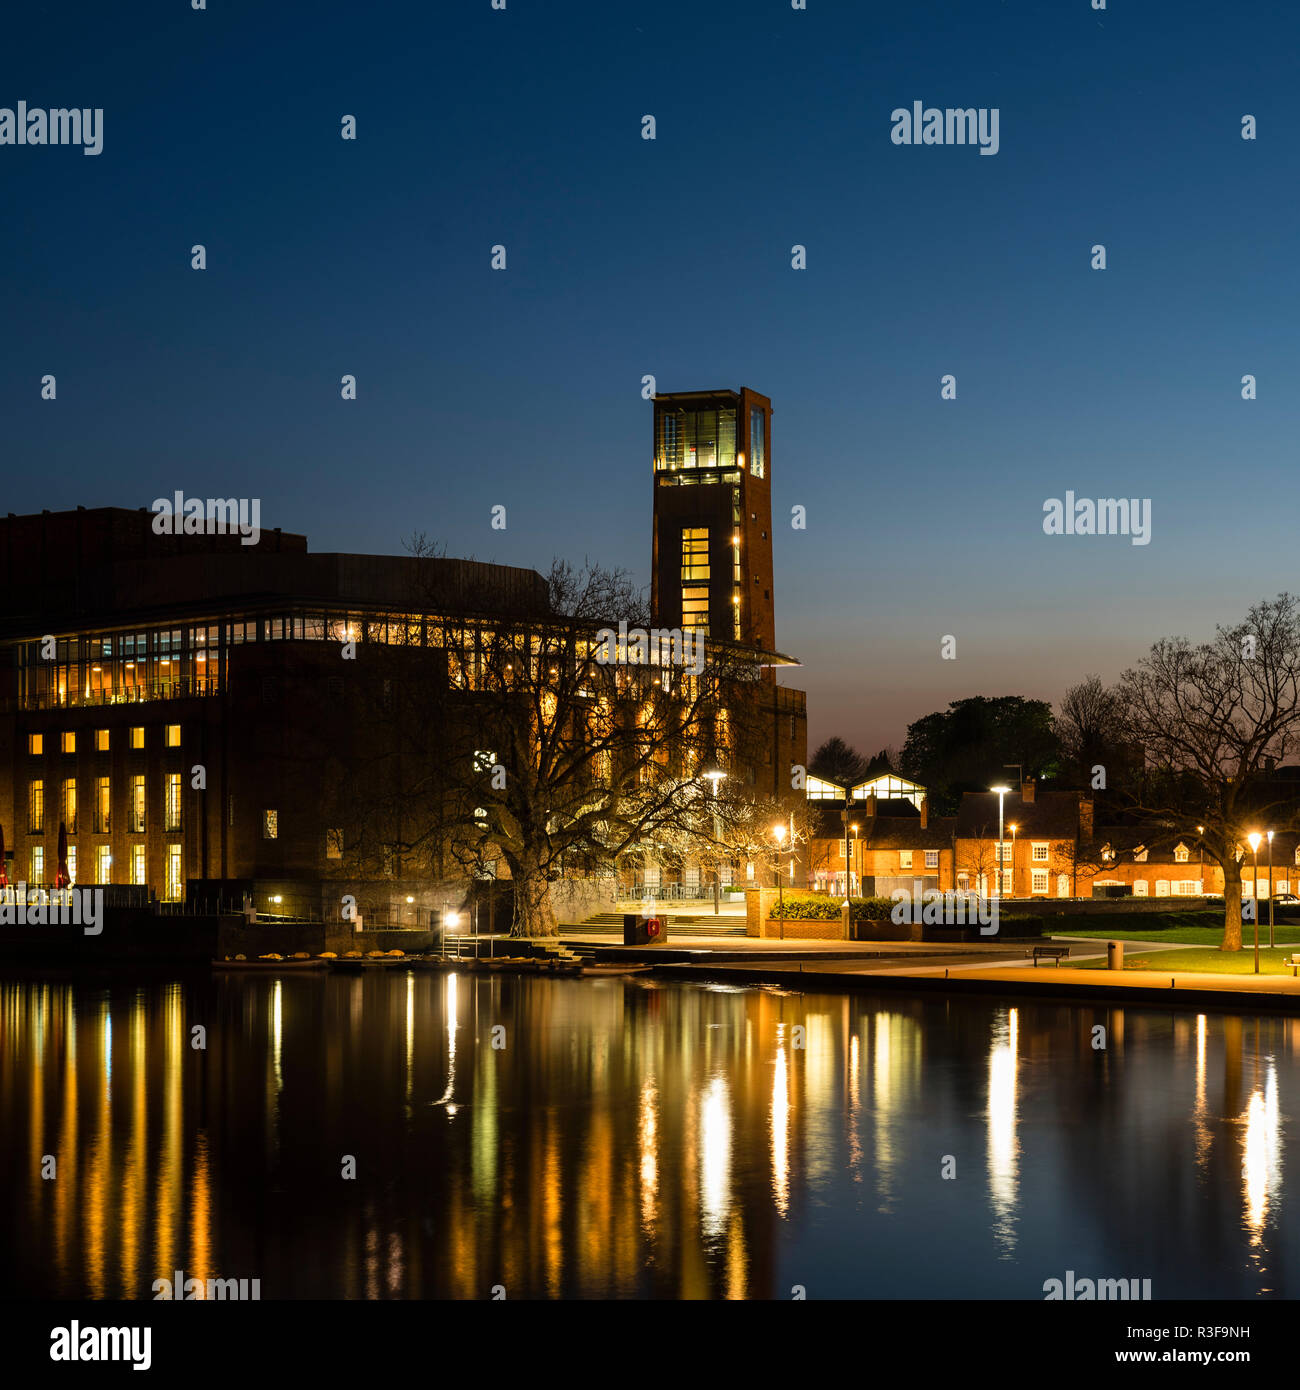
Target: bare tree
<point x="1089" y="724"/>
<point x="562" y="738"/>
<point x="1213" y="719"/>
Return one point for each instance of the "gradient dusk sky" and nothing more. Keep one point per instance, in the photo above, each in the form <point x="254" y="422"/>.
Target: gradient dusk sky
<point x="672" y="257"/>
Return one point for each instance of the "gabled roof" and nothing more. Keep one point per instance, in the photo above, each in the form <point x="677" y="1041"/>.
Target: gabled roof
<point x="1049" y="815"/>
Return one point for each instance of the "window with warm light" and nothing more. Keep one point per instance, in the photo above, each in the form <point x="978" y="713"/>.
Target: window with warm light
<point x="904" y="858"/>
<point x="37" y="872"/>
<point x="334" y="844"/>
<point x="137" y="736"/>
<point x="68" y="810"/>
<point x="104" y="864"/>
<point x="172" y="802"/>
<point x="101" y="740"/>
<point x="1038" y="853"/>
<point x="68" y="742"/>
<point x="137" y="864"/>
<point x="173" y="736"/>
<point x="136" y="821"/>
<point x="103" y="808"/>
<point x="270" y="825"/>
<point x="174" y="873"/>
<point x="35" y="744"/>
<point x="36" y="806"/>
<point x="932" y="859"/>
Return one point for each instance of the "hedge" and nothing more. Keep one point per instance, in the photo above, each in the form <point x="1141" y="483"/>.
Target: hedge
<point x="822" y="907"/>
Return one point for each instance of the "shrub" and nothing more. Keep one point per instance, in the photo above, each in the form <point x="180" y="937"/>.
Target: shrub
<point x="825" y="907"/>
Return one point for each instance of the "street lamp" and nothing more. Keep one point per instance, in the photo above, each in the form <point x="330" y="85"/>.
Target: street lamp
<point x="1254" y="838"/>
<point x="778" y="832"/>
<point x="1270" y="890"/>
<point x="857" y="854"/>
<point x="1001" y="791"/>
<point x="1012" y="828"/>
<point x="715" y="777"/>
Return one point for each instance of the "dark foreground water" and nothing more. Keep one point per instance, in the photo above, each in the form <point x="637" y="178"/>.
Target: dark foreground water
<point x="634" y="1139"/>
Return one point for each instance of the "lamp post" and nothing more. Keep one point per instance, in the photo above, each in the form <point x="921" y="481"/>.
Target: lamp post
<point x="1001" y="791"/>
<point x="857" y="854"/>
<point x="715" y="777"/>
<point x="1254" y="838"/>
<point x="1270" y="890"/>
<point x="778" y="832"/>
<point x="1200" y="830"/>
<point x="1012" y="828"/>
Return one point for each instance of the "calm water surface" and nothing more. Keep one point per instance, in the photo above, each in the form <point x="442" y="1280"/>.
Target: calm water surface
<point x="634" y="1139"/>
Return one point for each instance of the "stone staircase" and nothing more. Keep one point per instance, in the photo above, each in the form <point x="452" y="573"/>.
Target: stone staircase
<point x="677" y="925"/>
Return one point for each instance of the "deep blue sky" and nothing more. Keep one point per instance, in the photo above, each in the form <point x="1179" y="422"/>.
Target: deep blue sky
<point x="672" y="257"/>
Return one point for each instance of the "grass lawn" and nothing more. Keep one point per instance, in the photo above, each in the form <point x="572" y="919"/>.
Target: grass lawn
<point x="1192" y="928"/>
<point x="1214" y="962"/>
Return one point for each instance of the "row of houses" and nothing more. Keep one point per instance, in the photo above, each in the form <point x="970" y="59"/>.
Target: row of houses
<point x="1051" y="847"/>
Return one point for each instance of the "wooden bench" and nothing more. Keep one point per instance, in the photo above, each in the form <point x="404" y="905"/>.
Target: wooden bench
<point x="1050" y="953"/>
<point x="1294" y="963"/>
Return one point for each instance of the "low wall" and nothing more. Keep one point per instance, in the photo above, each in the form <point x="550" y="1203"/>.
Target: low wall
<point x="141" y="935"/>
<point x="800" y="929"/>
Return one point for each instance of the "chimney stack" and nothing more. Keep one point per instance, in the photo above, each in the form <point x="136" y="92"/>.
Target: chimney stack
<point x="925" y="813"/>
<point x="1027" y="792"/>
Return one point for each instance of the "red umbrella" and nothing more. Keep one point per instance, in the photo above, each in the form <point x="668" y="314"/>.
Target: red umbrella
<point x="61" y="877"/>
<point x="4" y="877"/>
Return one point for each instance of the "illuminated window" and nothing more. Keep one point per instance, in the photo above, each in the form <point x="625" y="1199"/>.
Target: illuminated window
<point x="137" y="864"/>
<point x="103" y="808"/>
<point x="1039" y="883"/>
<point x="137" y="737"/>
<point x="68" y="809"/>
<point x="101" y="740"/>
<point x="270" y="825"/>
<point x="136" y="823"/>
<point x="904" y="858"/>
<point x="68" y="742"/>
<point x="932" y="859"/>
<point x="757" y="443"/>
<point x="695" y="554"/>
<point x="72" y="863"/>
<point x="173" y="735"/>
<point x="333" y="844"/>
<point x="36" y="806"/>
<point x="37" y="874"/>
<point x="173" y="873"/>
<point x="1181" y="854"/>
<point x="1140" y="888"/>
<point x="172" y="802"/>
<point x="35" y="743"/>
<point x="1039" y="853"/>
<point x="695" y="609"/>
<point x="104" y="864"/>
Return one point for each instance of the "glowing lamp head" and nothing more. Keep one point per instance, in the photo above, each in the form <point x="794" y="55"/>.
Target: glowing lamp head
<point x="1253" y="839"/>
<point x="779" y="832"/>
<point x="1001" y="791"/>
<point x="452" y="919"/>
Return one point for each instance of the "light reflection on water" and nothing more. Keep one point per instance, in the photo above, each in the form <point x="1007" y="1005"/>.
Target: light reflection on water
<point x="571" y="1138"/>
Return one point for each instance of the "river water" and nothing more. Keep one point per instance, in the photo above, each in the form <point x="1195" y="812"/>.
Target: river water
<point x="427" y="1135"/>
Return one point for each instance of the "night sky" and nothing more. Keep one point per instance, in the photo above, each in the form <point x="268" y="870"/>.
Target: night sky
<point x="672" y="257"/>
